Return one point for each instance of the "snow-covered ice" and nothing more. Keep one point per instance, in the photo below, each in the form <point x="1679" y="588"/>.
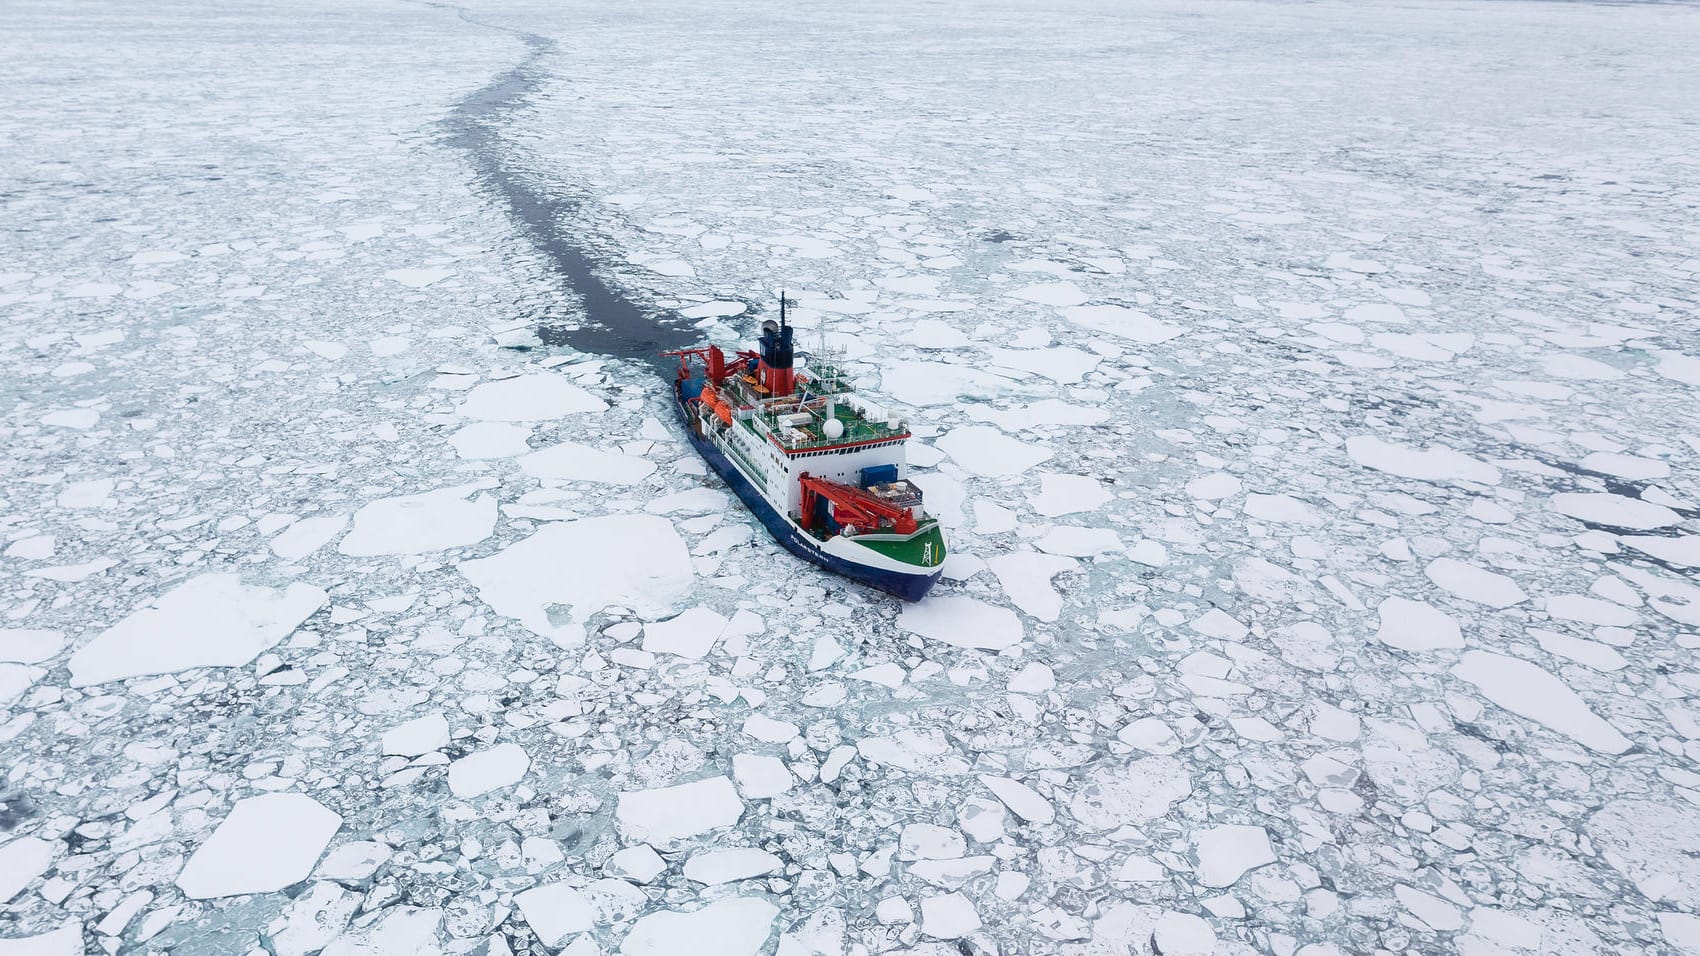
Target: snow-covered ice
<point x="1314" y="434"/>
<point x="214" y="620"/>
<point x="1526" y="689"/>
<point x="264" y="844"/>
<point x="668" y="814"/>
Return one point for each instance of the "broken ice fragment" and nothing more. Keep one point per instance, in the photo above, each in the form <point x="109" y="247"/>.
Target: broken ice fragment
<point x="534" y="397"/>
<point x="415" y="524"/>
<point x="728" y="927"/>
<point x="669" y="814"/>
<point x="712" y="867"/>
<point x="477" y="773"/>
<point x="1227" y="852"/>
<point x="1415" y="626"/>
<point x="210" y="621"/>
<point x="637" y="561"/>
<point x="265" y="844"/>
<point x="962" y="621"/>
<point x="1524" y="688"/>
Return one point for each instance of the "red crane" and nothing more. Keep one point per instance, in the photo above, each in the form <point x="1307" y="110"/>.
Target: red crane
<point x="854" y="506"/>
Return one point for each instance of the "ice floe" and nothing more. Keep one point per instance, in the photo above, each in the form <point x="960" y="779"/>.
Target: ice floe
<point x="667" y="815"/>
<point x="533" y="397"/>
<point x="962" y="621"/>
<point x="583" y="566"/>
<point x="1436" y="463"/>
<point x="1614" y="511"/>
<point x="1415" y="626"/>
<point x="214" y="620"/>
<point x="571" y="461"/>
<point x="729" y="927"/>
<point x="416" y="524"/>
<point x="483" y="771"/>
<point x="1525" y="689"/>
<point x="265" y="844"/>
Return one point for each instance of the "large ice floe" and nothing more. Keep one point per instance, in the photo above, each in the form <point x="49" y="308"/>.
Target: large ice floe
<point x="1307" y="392"/>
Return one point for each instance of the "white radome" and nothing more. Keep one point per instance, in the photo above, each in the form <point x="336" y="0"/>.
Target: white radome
<point x="833" y="428"/>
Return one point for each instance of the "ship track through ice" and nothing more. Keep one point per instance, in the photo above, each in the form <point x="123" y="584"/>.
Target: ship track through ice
<point x="821" y="473"/>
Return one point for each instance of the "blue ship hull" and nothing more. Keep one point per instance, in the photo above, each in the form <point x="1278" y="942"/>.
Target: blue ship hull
<point x="909" y="587"/>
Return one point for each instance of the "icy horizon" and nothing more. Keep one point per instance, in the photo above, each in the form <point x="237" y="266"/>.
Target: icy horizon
<point x="1308" y="392"/>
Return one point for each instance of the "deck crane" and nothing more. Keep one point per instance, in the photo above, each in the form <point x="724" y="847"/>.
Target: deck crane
<point x="858" y="509"/>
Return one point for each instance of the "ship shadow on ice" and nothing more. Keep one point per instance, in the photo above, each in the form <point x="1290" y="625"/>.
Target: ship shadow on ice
<point x="614" y="325"/>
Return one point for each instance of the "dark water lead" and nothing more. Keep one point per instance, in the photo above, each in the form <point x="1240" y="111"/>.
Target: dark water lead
<point x="614" y="325"/>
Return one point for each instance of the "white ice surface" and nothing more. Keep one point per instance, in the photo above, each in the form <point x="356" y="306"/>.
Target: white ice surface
<point x="1437" y="463"/>
<point x="265" y="843"/>
<point x="555" y="911"/>
<point x="213" y="620"/>
<point x="1228" y="851"/>
<point x="481" y="772"/>
<point x="666" y="815"/>
<point x="416" y="524"/>
<point x="22" y="860"/>
<point x="1524" y="688"/>
<point x="962" y="621"/>
<point x="571" y="461"/>
<point x="637" y="561"/>
<point x="533" y="397"/>
<point x="988" y="452"/>
<point x="728" y="927"/>
<point x="1415" y="626"/>
<point x="730" y="864"/>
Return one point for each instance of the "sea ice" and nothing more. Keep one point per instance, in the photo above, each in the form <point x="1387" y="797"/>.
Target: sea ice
<point x="1416" y="626"/>
<point x="1068" y="494"/>
<point x="1227" y="852"/>
<point x="669" y="814"/>
<point x="67" y="940"/>
<point x="692" y="634"/>
<point x="1051" y="293"/>
<point x="638" y="561"/>
<point x="418" y="736"/>
<point x="266" y="843"/>
<point x="209" y="621"/>
<point x="1213" y="486"/>
<point x="533" y="397"/>
<point x="951" y="916"/>
<point x="1079" y="542"/>
<point x="29" y="645"/>
<point x="555" y="911"/>
<point x="1655" y="844"/>
<point x="762" y="777"/>
<point x="307" y="535"/>
<point x="1524" y="688"/>
<point x="482" y="440"/>
<point x="483" y="771"/>
<point x="1130" y="794"/>
<point x="729" y="865"/>
<point x="640" y="864"/>
<point x="1437" y="464"/>
<point x="1614" y="511"/>
<point x="416" y="524"/>
<point x="1026" y="578"/>
<point x="571" y="461"/>
<point x="21" y="861"/>
<point x="1021" y="799"/>
<point x="1283" y="509"/>
<point x="1474" y="583"/>
<point x="1120" y="320"/>
<point x="729" y="927"/>
<point x="962" y="621"/>
<point x="985" y="451"/>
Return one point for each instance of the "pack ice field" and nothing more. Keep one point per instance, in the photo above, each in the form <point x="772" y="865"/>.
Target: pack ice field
<point x="1299" y="402"/>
